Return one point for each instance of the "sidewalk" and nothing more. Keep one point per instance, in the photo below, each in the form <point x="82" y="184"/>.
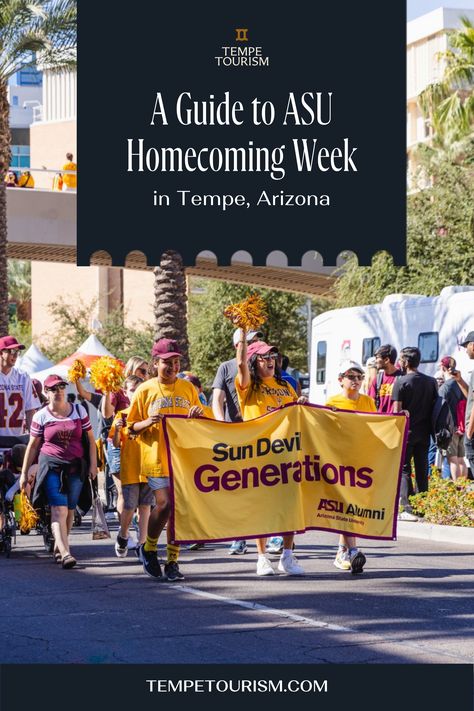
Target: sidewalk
<point x="434" y="532"/>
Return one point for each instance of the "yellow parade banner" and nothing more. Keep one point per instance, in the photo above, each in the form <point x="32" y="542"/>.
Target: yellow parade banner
<point x="300" y="467"/>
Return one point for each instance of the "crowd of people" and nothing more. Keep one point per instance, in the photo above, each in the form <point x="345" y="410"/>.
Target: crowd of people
<point x="61" y="454"/>
<point x="63" y="181"/>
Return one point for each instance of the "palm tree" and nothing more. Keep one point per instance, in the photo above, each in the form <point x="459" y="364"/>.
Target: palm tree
<point x="19" y="287"/>
<point x="449" y="104"/>
<point x="27" y="27"/>
<point x="171" y="301"/>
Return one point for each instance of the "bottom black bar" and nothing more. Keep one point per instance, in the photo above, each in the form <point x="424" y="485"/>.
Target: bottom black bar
<point x="310" y="686"/>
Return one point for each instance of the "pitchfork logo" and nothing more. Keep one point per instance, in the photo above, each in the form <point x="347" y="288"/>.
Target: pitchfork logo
<point x="239" y="55"/>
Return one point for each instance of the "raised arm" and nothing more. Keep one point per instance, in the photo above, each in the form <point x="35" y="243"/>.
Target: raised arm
<point x="85" y="394"/>
<point x="243" y="373"/>
<point x="106" y="407"/>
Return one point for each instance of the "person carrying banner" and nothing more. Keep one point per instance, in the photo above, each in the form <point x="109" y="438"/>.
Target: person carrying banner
<point x="351" y="375"/>
<point x="261" y="389"/>
<point x="165" y="394"/>
<point x="225" y="404"/>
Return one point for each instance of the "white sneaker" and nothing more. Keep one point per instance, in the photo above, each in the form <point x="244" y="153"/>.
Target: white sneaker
<point x="264" y="567"/>
<point x="289" y="565"/>
<point x="342" y="559"/>
<point x="407" y="516"/>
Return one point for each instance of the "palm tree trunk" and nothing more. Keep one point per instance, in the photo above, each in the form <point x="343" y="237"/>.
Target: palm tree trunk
<point x="170" y="305"/>
<point x="4" y="165"/>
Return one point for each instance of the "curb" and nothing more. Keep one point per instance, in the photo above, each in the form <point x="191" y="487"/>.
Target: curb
<point x="460" y="535"/>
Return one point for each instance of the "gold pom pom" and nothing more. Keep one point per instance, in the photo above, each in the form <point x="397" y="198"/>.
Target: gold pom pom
<point x="107" y="374"/>
<point x="29" y="518"/>
<point x="77" y="371"/>
<point x="249" y="314"/>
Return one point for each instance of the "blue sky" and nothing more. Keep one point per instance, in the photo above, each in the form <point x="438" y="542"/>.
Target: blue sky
<point x="415" y="8"/>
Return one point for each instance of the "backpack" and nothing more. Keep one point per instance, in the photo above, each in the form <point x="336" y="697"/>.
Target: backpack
<point x="461" y="416"/>
<point x="442" y="423"/>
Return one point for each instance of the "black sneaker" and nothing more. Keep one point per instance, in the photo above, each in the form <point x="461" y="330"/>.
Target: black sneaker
<point x="357" y="563"/>
<point x="151" y="565"/>
<point x="172" y="572"/>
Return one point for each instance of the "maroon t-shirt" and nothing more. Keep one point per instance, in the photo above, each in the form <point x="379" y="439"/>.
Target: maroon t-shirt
<point x="119" y="401"/>
<point x="385" y="392"/>
<point x="62" y="436"/>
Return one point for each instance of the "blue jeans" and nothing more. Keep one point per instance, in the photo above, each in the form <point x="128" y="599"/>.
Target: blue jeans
<point x="55" y="497"/>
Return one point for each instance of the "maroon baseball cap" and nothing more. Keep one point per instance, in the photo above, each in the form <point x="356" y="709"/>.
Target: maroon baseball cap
<point x="165" y="348"/>
<point x="259" y="348"/>
<point x="10" y="342"/>
<point x="447" y="361"/>
<point x="53" y="380"/>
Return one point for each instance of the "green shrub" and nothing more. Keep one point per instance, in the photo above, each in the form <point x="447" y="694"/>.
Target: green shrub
<point x="446" y="502"/>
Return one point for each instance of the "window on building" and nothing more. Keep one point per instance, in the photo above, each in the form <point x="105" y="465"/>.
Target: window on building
<point x="29" y="77"/>
<point x="321" y="362"/>
<point x="369" y="346"/>
<point x="20" y="157"/>
<point x="14" y="100"/>
<point x="429" y="346"/>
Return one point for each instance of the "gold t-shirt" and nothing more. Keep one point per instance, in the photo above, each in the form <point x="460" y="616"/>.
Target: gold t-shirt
<point x="152" y="398"/>
<point x="364" y="403"/>
<point x="270" y="396"/>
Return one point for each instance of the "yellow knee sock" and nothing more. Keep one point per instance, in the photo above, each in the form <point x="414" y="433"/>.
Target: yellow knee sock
<point x="172" y="553"/>
<point x="151" y="544"/>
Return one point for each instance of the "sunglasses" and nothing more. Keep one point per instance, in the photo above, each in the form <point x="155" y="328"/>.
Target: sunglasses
<point x="268" y="356"/>
<point x="354" y="377"/>
<point x="55" y="388"/>
<point x="12" y="351"/>
<point x="142" y="371"/>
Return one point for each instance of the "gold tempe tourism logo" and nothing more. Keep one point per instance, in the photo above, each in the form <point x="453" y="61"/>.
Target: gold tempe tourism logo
<point x="245" y="55"/>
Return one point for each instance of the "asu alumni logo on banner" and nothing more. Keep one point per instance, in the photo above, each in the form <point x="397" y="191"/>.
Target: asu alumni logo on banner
<point x="302" y="467"/>
<point x="242" y="55"/>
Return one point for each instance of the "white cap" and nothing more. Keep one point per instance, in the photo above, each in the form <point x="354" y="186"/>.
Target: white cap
<point x="346" y="365"/>
<point x="370" y="362"/>
<point x="250" y="335"/>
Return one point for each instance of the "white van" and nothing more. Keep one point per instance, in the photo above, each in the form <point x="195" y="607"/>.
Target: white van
<point x="435" y="324"/>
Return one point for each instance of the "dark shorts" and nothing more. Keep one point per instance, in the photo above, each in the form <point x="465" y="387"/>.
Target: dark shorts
<point x="54" y="496"/>
<point x="137" y="495"/>
<point x="456" y="446"/>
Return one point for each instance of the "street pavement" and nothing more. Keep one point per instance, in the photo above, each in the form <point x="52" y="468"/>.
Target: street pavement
<point x="414" y="603"/>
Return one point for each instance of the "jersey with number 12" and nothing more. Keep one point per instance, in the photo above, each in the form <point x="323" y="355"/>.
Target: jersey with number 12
<point x="16" y="397"/>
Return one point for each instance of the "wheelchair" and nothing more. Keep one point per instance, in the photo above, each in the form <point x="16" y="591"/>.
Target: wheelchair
<point x="7" y="513"/>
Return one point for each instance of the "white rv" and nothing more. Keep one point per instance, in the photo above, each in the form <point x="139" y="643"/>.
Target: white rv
<point x="435" y="324"/>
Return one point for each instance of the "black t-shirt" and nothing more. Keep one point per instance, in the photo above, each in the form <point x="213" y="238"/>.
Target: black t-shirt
<point x="417" y="392"/>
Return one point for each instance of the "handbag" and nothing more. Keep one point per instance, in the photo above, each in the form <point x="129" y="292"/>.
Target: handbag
<point x="100" y="529"/>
